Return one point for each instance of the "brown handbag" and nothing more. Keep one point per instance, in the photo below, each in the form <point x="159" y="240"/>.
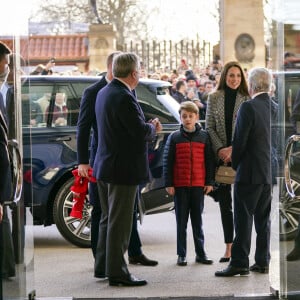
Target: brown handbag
<point x="225" y="174"/>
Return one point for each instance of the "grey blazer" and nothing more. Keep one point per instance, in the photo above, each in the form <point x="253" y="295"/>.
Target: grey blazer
<point x="215" y="118"/>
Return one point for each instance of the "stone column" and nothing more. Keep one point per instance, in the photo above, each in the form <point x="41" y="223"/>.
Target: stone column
<point x="242" y="32"/>
<point x="102" y="41"/>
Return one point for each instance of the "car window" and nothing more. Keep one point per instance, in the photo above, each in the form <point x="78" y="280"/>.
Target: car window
<point x="39" y="97"/>
<point x="35" y="100"/>
<point x="39" y="103"/>
<point x="150" y="105"/>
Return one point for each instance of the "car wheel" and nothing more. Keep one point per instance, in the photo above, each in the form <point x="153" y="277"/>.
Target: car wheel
<point x="289" y="212"/>
<point x="76" y="231"/>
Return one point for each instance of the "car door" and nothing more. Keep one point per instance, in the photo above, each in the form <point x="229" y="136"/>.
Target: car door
<point x="156" y="102"/>
<point x="49" y="148"/>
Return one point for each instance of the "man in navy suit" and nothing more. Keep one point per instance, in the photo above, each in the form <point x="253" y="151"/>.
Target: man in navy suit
<point x="251" y="158"/>
<point x="86" y="121"/>
<point x="120" y="166"/>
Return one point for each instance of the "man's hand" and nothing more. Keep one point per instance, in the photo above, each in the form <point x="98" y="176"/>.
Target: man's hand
<point x="83" y="170"/>
<point x="157" y="124"/>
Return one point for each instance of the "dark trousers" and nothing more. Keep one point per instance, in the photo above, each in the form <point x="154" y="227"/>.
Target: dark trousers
<point x="95" y="215"/>
<point x="135" y="244"/>
<point x="1" y="258"/>
<point x="117" y="205"/>
<point x="223" y="196"/>
<point x="134" y="248"/>
<point x="189" y="201"/>
<point x="251" y="202"/>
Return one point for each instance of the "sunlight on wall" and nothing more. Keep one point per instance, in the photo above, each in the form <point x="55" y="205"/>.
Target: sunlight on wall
<point x="14" y="17"/>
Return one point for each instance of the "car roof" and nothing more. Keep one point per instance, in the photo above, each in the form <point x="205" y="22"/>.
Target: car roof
<point x="75" y="78"/>
<point x="288" y="73"/>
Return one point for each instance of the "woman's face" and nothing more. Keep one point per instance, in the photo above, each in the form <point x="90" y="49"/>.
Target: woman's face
<point x="233" y="78"/>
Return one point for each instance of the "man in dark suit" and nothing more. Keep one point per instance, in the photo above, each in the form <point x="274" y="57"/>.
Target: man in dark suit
<point x="251" y="158"/>
<point x="86" y="121"/>
<point x="4" y="157"/>
<point x="120" y="165"/>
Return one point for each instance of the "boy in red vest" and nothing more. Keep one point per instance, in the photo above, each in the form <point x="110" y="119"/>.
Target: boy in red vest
<point x="189" y="170"/>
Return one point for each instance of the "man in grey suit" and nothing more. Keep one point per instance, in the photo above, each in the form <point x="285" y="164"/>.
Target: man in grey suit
<point x="251" y="158"/>
<point x="120" y="165"/>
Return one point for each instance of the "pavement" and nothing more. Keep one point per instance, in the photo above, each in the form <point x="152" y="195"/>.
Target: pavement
<point x="61" y="271"/>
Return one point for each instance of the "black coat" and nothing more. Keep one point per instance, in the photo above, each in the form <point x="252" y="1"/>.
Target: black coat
<point x="86" y="122"/>
<point x="123" y="135"/>
<point x="5" y="180"/>
<point x="251" y="145"/>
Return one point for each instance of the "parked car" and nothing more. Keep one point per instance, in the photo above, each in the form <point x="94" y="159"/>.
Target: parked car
<point x="49" y="149"/>
<point x="288" y="86"/>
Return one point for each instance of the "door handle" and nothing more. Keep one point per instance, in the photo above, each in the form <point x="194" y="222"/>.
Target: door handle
<point x="61" y="139"/>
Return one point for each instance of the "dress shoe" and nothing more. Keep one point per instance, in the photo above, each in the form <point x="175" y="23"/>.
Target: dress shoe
<point x="142" y="260"/>
<point x="126" y="281"/>
<point x="224" y="259"/>
<point x="204" y="260"/>
<point x="232" y="271"/>
<point x="259" y="269"/>
<point x="293" y="255"/>
<point x="99" y="275"/>
<point x="181" y="261"/>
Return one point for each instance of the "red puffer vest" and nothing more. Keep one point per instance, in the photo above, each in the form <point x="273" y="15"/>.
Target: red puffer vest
<point x="189" y="167"/>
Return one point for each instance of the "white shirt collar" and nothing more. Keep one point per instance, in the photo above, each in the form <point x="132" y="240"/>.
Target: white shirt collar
<point x="124" y="83"/>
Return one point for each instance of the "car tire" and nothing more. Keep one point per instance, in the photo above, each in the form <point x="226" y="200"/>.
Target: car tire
<point x="76" y="231"/>
<point x="289" y="212"/>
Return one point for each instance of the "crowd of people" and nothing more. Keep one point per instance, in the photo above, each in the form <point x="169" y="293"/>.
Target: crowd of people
<point x="235" y="108"/>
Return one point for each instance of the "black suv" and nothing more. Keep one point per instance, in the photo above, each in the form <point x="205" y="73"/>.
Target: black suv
<point x="288" y="95"/>
<point x="49" y="149"/>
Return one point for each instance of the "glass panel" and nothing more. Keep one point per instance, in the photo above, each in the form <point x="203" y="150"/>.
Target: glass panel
<point x="19" y="282"/>
<point x="32" y="99"/>
<point x="287" y="78"/>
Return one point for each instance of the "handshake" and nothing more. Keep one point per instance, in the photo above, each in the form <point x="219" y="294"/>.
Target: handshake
<point x="157" y="124"/>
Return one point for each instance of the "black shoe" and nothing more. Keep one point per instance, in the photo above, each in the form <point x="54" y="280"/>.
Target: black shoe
<point x="224" y="259"/>
<point x="126" y="281"/>
<point x="142" y="260"/>
<point x="181" y="261"/>
<point x="259" y="269"/>
<point x="204" y="260"/>
<point x="232" y="271"/>
<point x="293" y="255"/>
<point x="99" y="275"/>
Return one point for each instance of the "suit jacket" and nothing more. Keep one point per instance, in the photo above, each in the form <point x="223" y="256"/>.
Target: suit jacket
<point x="86" y="121"/>
<point x="123" y="134"/>
<point x="251" y="145"/>
<point x="215" y="118"/>
<point x="4" y="158"/>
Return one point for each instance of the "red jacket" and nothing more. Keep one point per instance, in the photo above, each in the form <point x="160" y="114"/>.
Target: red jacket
<point x="188" y="159"/>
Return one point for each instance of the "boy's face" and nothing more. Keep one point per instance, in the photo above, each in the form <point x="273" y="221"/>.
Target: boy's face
<point x="188" y="119"/>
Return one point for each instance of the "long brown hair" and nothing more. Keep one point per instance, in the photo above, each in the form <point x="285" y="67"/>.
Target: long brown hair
<point x="243" y="88"/>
